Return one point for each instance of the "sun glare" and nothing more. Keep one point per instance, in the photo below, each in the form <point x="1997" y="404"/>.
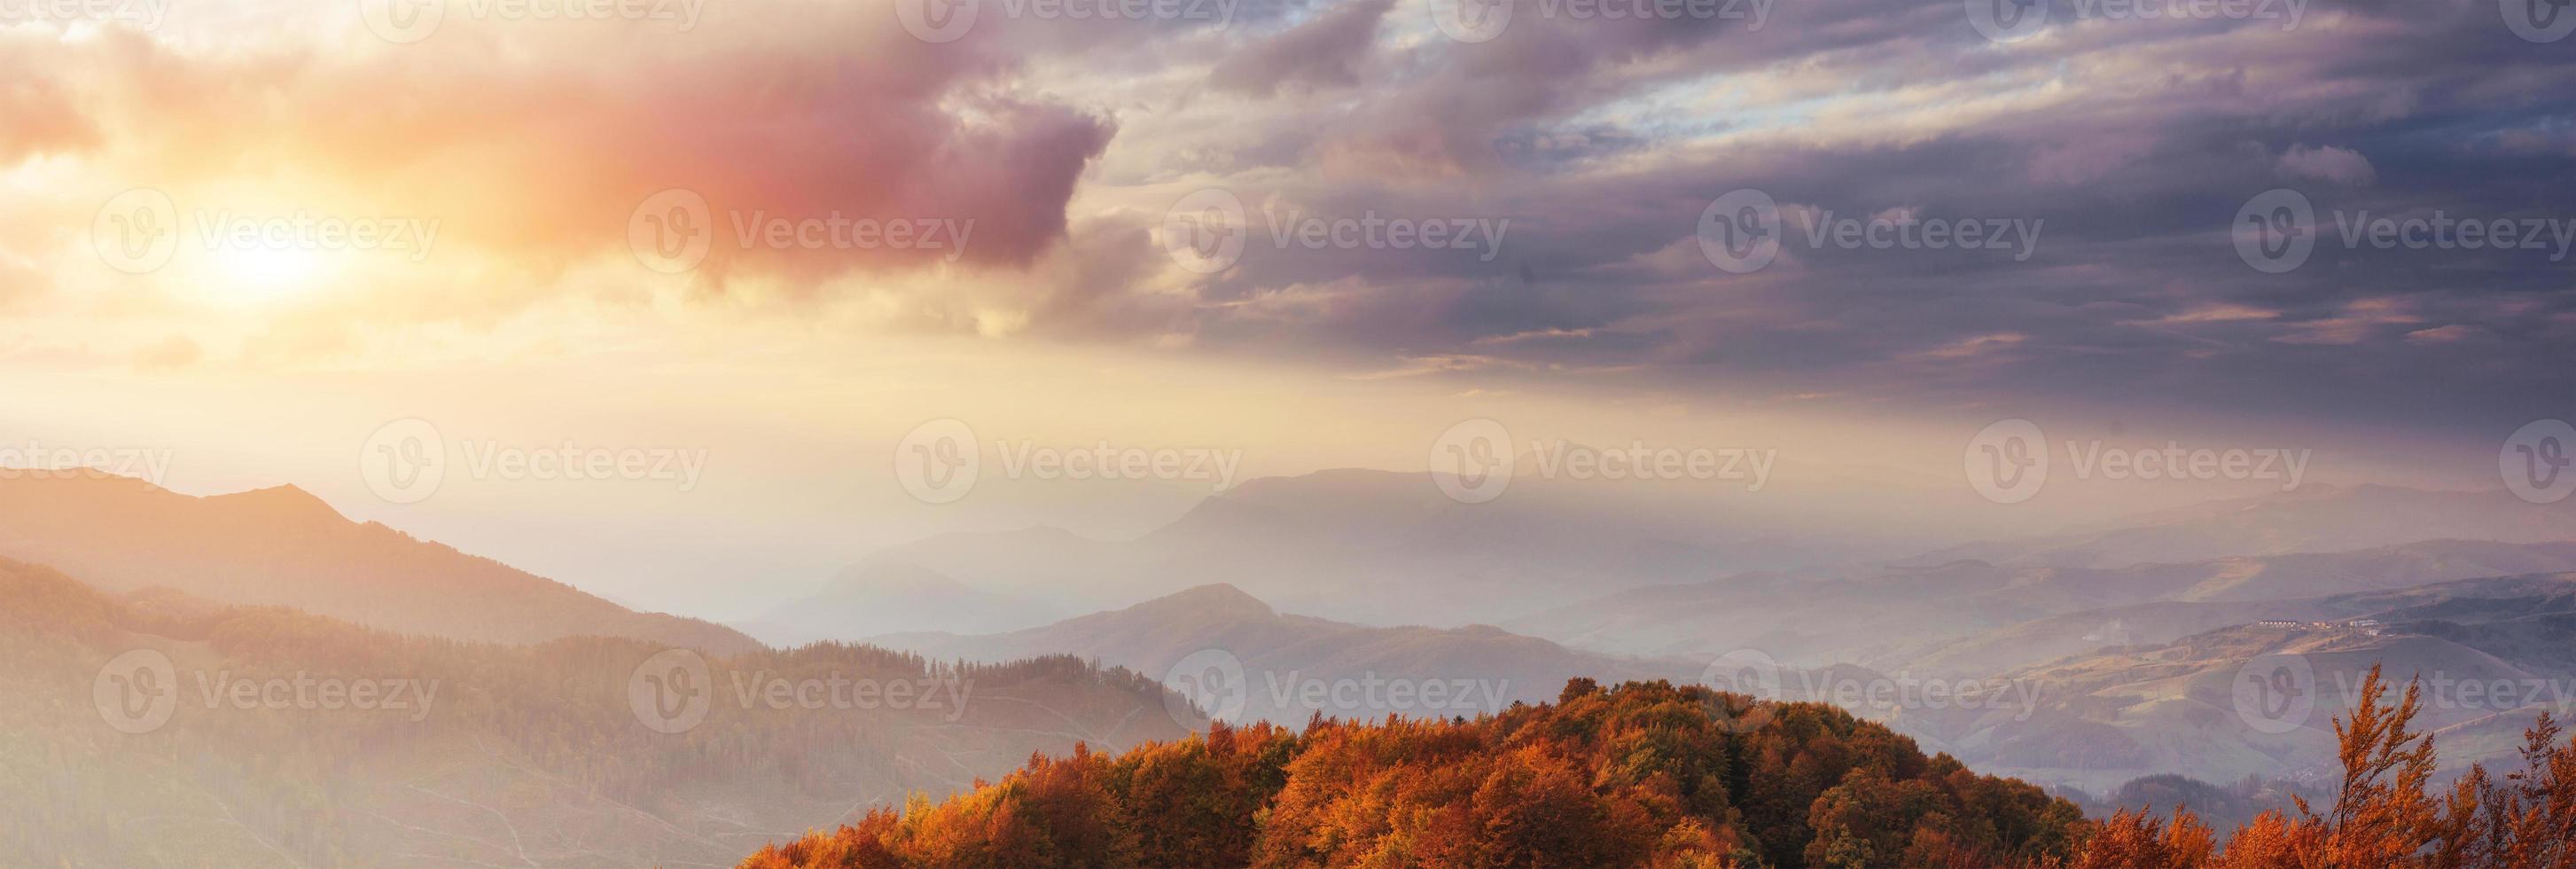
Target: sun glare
<point x="263" y="274"/>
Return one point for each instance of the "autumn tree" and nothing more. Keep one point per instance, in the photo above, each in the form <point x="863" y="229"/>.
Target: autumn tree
<point x="2384" y="813"/>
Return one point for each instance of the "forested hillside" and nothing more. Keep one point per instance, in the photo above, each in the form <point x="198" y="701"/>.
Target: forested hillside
<point x="1642" y="774"/>
<point x="1647" y="774"/>
<point x="249" y="742"/>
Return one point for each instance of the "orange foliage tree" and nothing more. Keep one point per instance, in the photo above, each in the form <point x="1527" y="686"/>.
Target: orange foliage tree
<point x="1648" y="774"/>
<point x="2385" y="812"/>
<point x="1645" y="774"/>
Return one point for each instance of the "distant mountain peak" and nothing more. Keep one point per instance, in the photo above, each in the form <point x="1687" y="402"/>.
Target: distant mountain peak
<point x="280" y="502"/>
<point x="1213" y="599"/>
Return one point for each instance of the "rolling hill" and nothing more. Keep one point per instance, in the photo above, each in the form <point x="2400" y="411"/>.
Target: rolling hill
<point x="2313" y="519"/>
<point x="172" y="733"/>
<point x="2493" y="653"/>
<point x="285" y="547"/>
<point x="1278" y="667"/>
<point x="882" y="598"/>
<point x="1381" y="547"/>
<point x="1927" y="615"/>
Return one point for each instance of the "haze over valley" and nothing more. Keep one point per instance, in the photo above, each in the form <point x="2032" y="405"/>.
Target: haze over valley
<point x="1455" y="434"/>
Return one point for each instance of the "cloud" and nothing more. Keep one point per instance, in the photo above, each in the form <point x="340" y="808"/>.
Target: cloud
<point x="539" y="143"/>
<point x="2358" y="321"/>
<point x="2443" y="334"/>
<point x="2130" y="143"/>
<point x="42" y="115"/>
<point x="2340" y="165"/>
<point x="176" y="351"/>
<point x="1325" y="51"/>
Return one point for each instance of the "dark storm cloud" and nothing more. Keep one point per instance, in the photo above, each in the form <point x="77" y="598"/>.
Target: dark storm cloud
<point x="1578" y="149"/>
<point x="2130" y="144"/>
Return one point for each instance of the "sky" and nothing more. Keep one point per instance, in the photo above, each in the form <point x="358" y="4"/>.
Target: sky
<point x="264" y="238"/>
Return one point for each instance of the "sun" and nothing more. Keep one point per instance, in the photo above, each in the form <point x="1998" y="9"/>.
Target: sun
<point x="251" y="275"/>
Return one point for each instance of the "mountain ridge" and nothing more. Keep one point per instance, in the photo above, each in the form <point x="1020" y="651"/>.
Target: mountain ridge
<point x="284" y="546"/>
